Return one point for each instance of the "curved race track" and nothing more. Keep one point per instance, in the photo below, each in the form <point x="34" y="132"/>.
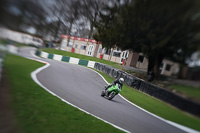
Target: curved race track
<point x="82" y="87"/>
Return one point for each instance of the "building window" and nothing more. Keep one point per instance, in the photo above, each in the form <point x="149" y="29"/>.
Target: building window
<point x="64" y="43"/>
<point x="100" y="50"/>
<point x="168" y="67"/>
<point x="116" y="53"/>
<point x="70" y="44"/>
<point x="140" y="58"/>
<point x="83" y="46"/>
<point x="107" y="51"/>
<point x="76" y="45"/>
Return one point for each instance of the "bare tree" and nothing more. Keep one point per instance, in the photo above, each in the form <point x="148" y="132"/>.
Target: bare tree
<point x="72" y="16"/>
<point x="64" y="15"/>
<point x="90" y="9"/>
<point x="21" y="14"/>
<point x="57" y="10"/>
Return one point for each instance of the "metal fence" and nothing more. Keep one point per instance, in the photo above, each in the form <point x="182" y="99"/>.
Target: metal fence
<point x="160" y="93"/>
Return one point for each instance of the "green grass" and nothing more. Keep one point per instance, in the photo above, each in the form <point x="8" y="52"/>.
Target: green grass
<point x="5" y="42"/>
<point x="190" y="91"/>
<point x="65" y="53"/>
<point x="156" y="106"/>
<point x="20" y="45"/>
<point x="37" y="111"/>
<point x="2" y="41"/>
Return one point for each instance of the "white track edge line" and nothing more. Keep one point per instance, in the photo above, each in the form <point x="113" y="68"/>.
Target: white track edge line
<point x="33" y="75"/>
<point x="184" y="128"/>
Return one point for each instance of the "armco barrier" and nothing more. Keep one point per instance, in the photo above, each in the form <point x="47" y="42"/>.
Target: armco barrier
<point x="115" y="73"/>
<point x="162" y="94"/>
<point x="134" y="82"/>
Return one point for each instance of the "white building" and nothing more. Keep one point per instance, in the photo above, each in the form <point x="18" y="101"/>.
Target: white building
<point x="90" y="47"/>
<point x="20" y="37"/>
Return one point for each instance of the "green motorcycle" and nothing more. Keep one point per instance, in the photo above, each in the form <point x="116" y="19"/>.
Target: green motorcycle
<point x="111" y="92"/>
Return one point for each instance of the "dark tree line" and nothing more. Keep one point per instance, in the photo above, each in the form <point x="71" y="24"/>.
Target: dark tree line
<point x="52" y="17"/>
<point x="157" y="28"/>
<point x="21" y="14"/>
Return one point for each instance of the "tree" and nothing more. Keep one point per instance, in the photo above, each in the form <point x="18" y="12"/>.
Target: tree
<point x="72" y="16"/>
<point x="107" y="29"/>
<point x="58" y="11"/>
<point x="157" y="28"/>
<point x="90" y="9"/>
<point x="19" y="15"/>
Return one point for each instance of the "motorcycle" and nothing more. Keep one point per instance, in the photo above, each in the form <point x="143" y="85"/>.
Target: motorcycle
<point x="111" y="92"/>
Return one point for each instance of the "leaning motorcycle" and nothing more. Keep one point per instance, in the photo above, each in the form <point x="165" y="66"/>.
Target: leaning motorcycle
<point x="111" y="92"/>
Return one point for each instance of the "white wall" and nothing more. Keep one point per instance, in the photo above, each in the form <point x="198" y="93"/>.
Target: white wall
<point x="20" y="37"/>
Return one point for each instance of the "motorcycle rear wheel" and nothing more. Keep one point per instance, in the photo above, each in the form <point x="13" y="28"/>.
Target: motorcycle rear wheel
<point x="103" y="93"/>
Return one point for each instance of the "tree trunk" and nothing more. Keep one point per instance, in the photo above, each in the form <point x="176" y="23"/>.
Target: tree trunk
<point x="154" y="63"/>
<point x="151" y="63"/>
<point x="158" y="62"/>
<point x="46" y="31"/>
<point x="92" y="25"/>
<point x="57" y="29"/>
<point x="91" y="30"/>
<point x="70" y="29"/>
<point x="183" y="71"/>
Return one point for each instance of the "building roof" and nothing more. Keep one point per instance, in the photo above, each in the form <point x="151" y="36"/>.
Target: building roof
<point x="78" y="38"/>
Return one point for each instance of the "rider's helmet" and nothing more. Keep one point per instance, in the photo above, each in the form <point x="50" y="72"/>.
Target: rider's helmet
<point x="121" y="80"/>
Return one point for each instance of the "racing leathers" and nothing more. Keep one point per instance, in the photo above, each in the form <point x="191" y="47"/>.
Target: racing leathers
<point x="114" y="83"/>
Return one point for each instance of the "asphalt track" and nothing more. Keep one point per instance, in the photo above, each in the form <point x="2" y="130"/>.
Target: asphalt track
<point x="82" y="87"/>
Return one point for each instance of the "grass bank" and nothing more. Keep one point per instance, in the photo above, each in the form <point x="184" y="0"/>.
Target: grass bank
<point x="5" y="42"/>
<point x="37" y="111"/>
<point x="145" y="101"/>
<point x="192" y="92"/>
<point x="156" y="106"/>
<point x="65" y="53"/>
<point x="189" y="91"/>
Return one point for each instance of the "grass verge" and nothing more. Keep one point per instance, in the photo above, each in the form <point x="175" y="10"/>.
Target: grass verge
<point x="190" y="91"/>
<point x="37" y="111"/>
<point x="65" y="53"/>
<point x="5" y="42"/>
<point x="156" y="106"/>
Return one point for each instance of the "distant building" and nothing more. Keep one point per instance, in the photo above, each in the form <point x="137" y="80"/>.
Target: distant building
<point x="20" y="37"/>
<point x="90" y="47"/>
<point x="80" y="45"/>
<point x="138" y="60"/>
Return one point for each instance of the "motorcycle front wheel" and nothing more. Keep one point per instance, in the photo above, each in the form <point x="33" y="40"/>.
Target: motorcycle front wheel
<point x="111" y="95"/>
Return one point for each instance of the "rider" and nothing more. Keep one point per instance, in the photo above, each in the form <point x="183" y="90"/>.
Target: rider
<point x="119" y="81"/>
